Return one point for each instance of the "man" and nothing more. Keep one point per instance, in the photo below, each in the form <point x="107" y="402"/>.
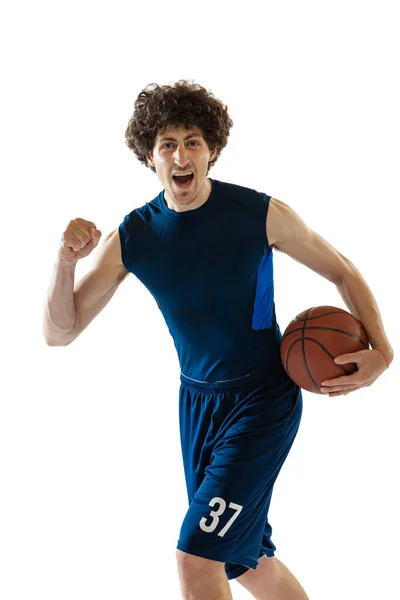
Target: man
<point x="203" y="248"/>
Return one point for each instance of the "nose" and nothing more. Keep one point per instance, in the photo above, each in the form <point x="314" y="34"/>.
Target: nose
<point x="181" y="156"/>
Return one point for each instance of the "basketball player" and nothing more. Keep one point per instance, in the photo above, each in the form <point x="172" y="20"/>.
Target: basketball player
<point x="203" y="248"/>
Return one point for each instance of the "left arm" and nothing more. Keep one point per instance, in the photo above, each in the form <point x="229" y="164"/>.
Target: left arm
<point x="287" y="232"/>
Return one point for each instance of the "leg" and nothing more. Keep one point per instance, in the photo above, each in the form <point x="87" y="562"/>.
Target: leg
<point x="272" y="580"/>
<point x="201" y="578"/>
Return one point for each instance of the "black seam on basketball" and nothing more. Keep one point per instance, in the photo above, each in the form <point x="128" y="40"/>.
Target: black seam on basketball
<point x="333" y="312"/>
<point x="304" y="348"/>
<point x="287" y="357"/>
<point x="288" y="354"/>
<point x="329" y="354"/>
<point x="305" y="361"/>
<point x="347" y="371"/>
<point x="355" y="337"/>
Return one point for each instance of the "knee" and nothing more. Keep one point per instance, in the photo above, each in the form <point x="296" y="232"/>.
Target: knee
<point x="194" y="571"/>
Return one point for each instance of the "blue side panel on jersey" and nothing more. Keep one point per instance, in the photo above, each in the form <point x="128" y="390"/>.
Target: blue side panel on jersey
<point x="263" y="303"/>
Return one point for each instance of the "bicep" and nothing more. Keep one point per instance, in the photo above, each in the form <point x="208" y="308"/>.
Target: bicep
<point x="97" y="287"/>
<point x="287" y="232"/>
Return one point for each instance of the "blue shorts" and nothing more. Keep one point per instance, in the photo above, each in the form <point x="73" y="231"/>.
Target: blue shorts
<point x="235" y="437"/>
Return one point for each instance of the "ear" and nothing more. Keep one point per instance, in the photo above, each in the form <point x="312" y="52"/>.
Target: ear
<point x="150" y="160"/>
<point x="213" y="155"/>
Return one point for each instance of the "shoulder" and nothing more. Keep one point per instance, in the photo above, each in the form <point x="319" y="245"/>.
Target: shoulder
<point x="143" y="214"/>
<point x="248" y="201"/>
<point x="283" y="223"/>
<point x="239" y="191"/>
<point x="278" y="211"/>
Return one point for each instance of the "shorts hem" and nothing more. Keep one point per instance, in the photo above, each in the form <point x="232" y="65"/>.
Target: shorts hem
<point x="247" y="563"/>
<point x="242" y="569"/>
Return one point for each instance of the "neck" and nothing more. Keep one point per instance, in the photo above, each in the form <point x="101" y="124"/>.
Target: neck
<point x="186" y="203"/>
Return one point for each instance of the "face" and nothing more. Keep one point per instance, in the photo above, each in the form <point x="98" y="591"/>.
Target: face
<point x="181" y="150"/>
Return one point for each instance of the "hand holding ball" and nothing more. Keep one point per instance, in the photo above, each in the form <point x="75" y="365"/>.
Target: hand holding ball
<point x="314" y="338"/>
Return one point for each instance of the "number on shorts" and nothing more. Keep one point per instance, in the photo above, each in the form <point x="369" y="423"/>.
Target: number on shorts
<point x="215" y="514"/>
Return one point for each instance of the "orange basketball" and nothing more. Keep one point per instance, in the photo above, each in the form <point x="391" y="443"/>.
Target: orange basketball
<point x="314" y="338"/>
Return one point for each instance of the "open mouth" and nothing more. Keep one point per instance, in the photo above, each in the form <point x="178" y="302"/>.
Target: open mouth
<point x="183" y="182"/>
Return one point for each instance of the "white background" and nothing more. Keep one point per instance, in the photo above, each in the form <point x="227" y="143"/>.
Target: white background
<point x="92" y="486"/>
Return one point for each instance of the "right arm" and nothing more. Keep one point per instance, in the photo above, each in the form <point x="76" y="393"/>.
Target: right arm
<point x="68" y="311"/>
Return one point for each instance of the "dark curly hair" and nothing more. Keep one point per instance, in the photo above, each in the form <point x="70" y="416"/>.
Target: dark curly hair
<point x="182" y="104"/>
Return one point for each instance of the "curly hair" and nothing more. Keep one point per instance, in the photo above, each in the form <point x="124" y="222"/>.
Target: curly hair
<point x="182" y="104"/>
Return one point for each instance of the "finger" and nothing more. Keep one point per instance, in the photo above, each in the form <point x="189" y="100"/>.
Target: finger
<point x="346" y="358"/>
<point x="337" y="388"/>
<point x="75" y="240"/>
<point x="84" y="222"/>
<point x="330" y="384"/>
<point x="81" y="234"/>
<point x="95" y="233"/>
<point x="343" y="393"/>
<point x="343" y="380"/>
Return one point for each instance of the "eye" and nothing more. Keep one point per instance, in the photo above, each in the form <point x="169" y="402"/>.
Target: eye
<point x="171" y="143"/>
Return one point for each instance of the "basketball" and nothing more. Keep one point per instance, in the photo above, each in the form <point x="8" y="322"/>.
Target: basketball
<point x="314" y="338"/>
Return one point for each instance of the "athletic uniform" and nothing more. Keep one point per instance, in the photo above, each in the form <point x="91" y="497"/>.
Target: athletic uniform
<point x="210" y="271"/>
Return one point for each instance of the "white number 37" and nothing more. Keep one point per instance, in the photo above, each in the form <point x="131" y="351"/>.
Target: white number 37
<point x="215" y="514"/>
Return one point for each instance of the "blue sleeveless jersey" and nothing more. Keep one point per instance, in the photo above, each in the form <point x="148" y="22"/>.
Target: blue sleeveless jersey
<point x="210" y="271"/>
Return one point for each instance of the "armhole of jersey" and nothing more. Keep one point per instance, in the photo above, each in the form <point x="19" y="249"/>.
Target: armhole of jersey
<point x="124" y="237"/>
<point x="266" y="199"/>
<point x="264" y="298"/>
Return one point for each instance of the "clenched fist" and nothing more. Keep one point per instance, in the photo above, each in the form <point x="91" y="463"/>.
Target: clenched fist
<point x="78" y="240"/>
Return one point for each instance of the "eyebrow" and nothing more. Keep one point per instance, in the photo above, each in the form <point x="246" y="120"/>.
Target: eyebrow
<point x="164" y="139"/>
